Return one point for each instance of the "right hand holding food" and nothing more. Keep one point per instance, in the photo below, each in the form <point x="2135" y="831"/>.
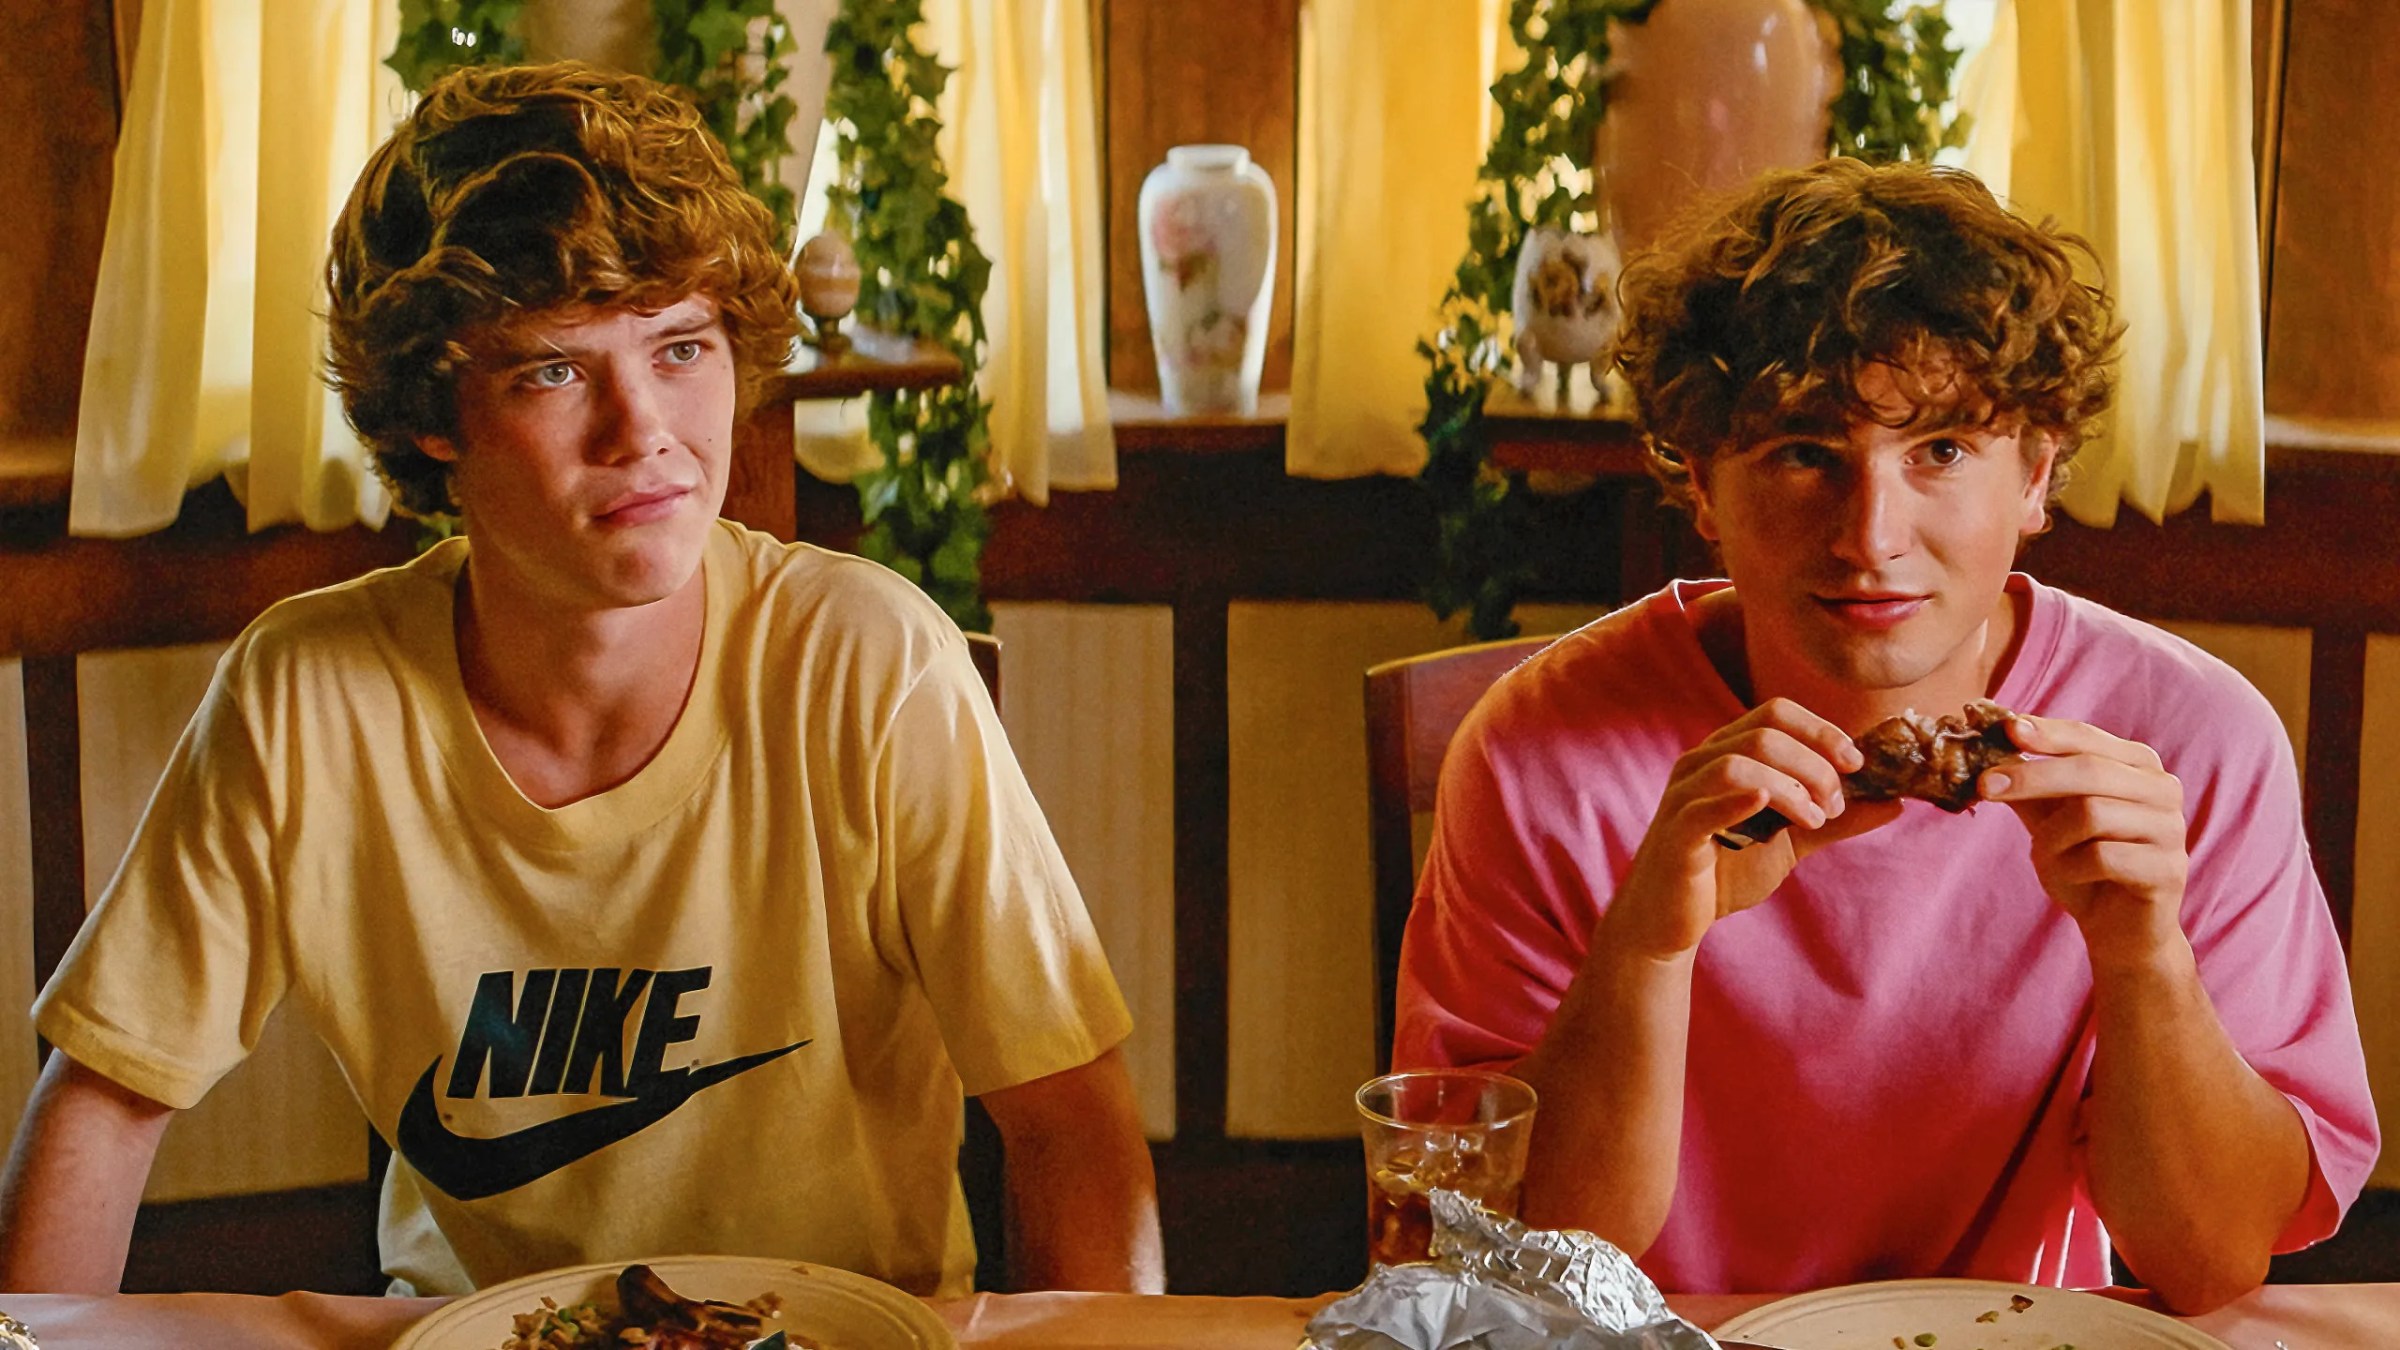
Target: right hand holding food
<point x="1777" y="755"/>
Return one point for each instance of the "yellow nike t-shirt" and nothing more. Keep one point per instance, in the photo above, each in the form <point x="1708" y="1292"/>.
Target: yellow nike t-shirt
<point x="728" y="1006"/>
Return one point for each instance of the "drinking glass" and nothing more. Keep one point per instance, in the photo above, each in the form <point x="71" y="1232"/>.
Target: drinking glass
<point x="1461" y="1130"/>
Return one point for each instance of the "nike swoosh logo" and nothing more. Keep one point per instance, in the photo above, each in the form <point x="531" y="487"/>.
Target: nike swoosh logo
<point x="468" y="1168"/>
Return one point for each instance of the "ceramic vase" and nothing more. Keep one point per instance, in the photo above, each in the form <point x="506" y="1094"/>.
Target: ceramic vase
<point x="1564" y="305"/>
<point x="1207" y="222"/>
<point x="1706" y="95"/>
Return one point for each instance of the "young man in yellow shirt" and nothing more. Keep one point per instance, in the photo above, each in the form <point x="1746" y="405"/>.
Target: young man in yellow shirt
<point x="658" y="886"/>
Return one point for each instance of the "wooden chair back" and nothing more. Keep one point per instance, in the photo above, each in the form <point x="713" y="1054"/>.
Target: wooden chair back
<point x="982" y="1173"/>
<point x="984" y="649"/>
<point x="1414" y="706"/>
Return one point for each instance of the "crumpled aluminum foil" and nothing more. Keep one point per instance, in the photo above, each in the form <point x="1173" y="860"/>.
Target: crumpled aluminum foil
<point x="1494" y="1284"/>
<point x="15" y="1335"/>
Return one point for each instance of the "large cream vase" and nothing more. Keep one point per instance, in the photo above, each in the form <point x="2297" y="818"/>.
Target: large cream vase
<point x="1207" y="223"/>
<point x="1707" y="95"/>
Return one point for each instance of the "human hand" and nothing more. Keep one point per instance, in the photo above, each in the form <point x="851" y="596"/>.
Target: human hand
<point x="1777" y="755"/>
<point x="2108" y="832"/>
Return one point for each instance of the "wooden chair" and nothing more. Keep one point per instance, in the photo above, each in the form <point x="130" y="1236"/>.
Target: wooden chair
<point x="981" y="1171"/>
<point x="1414" y="706"/>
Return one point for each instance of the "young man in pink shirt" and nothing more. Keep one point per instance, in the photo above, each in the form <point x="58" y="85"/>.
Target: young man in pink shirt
<point x="2105" y="1006"/>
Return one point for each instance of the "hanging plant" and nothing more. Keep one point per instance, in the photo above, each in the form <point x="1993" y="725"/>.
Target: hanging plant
<point x="734" y="55"/>
<point x="921" y="275"/>
<point x="440" y="35"/>
<point x="1537" y="172"/>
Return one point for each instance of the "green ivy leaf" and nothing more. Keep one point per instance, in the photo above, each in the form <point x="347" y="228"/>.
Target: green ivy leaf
<point x="920" y="273"/>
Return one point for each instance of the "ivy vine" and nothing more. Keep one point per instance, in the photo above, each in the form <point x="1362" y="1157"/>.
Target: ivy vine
<point x="439" y="35"/>
<point x="1897" y="69"/>
<point x="734" y="55"/>
<point x="922" y="275"/>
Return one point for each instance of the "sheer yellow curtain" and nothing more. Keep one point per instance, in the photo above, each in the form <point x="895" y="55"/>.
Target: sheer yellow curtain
<point x="205" y="336"/>
<point x="1019" y="141"/>
<point x="1394" y="119"/>
<point x="2129" y="122"/>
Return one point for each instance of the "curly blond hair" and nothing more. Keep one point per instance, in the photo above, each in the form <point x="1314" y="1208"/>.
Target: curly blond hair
<point x="512" y="191"/>
<point x="1762" y="313"/>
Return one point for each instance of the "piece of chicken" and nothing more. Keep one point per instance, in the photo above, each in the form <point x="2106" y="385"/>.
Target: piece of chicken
<point x="1937" y="759"/>
<point x="679" y="1323"/>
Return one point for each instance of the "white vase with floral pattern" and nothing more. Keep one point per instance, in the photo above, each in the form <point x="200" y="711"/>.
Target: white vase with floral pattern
<point x="1207" y="221"/>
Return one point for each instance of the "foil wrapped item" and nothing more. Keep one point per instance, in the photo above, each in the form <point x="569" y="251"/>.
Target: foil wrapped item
<point x="1494" y="1284"/>
<point x="15" y="1335"/>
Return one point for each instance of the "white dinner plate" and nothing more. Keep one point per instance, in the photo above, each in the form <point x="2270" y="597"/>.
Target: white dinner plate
<point x="1872" y="1316"/>
<point x="825" y="1306"/>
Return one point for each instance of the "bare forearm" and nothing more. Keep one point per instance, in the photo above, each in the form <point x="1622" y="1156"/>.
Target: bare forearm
<point x="1083" y="1201"/>
<point x="1610" y="1074"/>
<point x="74" y="1181"/>
<point x="2196" y="1162"/>
<point x="1085" y="1210"/>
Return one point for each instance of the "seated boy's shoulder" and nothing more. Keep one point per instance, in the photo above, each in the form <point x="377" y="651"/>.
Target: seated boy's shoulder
<point x="836" y="601"/>
<point x="349" y="621"/>
<point x="1610" y="677"/>
<point x="2157" y="686"/>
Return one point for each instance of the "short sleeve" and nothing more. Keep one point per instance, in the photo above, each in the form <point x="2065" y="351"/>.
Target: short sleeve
<point x="2273" y="965"/>
<point x="1503" y="911"/>
<point x="171" y="978"/>
<point x="993" y="922"/>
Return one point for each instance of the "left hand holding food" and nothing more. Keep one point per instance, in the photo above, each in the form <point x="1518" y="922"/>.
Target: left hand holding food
<point x="2108" y="832"/>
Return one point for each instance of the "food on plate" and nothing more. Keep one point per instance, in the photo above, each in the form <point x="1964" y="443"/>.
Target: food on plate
<point x="1935" y="759"/>
<point x="650" y="1316"/>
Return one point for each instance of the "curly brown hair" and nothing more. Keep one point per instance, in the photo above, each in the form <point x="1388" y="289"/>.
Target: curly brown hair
<point x="517" y="190"/>
<point x="1761" y="314"/>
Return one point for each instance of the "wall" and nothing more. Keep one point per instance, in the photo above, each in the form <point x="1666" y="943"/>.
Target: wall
<point x="2333" y="328"/>
<point x="58" y="95"/>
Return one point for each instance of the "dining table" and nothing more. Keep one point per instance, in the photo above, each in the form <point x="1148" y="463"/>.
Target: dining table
<point x="2292" y="1316"/>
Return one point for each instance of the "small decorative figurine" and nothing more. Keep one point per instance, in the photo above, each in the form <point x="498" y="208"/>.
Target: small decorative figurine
<point x="828" y="273"/>
<point x="1565" y="304"/>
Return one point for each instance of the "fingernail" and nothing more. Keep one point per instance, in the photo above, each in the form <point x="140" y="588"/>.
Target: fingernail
<point x="1994" y="784"/>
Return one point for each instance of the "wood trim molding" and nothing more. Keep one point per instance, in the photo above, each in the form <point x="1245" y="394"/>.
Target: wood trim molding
<point x="54" y="782"/>
<point x="2337" y="703"/>
<point x="200" y="579"/>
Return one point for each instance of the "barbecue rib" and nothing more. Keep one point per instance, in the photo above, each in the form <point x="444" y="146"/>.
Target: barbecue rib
<point x="1935" y="758"/>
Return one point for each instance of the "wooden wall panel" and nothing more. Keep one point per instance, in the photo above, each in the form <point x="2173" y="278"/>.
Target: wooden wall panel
<point x="2375" y="918"/>
<point x="1087" y="693"/>
<point x="203" y="577"/>
<point x="16" y="902"/>
<point x="2333" y="329"/>
<point x="2267" y="20"/>
<point x="1179" y="72"/>
<point x="58" y="101"/>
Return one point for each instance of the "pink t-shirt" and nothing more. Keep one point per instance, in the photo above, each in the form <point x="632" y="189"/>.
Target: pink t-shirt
<point x="1889" y="1057"/>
